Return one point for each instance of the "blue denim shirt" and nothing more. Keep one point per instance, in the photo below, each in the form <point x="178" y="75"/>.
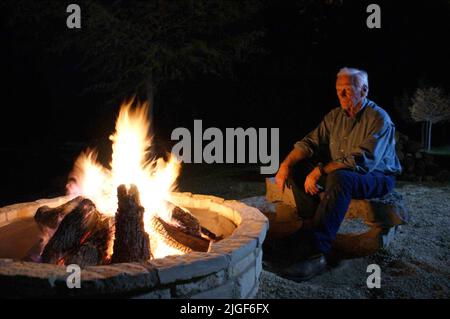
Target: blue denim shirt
<point x="365" y="143"/>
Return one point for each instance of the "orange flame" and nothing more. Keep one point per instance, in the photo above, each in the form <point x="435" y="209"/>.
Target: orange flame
<point x="155" y="178"/>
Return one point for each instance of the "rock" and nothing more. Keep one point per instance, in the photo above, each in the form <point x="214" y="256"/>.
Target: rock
<point x="363" y="244"/>
<point x="384" y="216"/>
<point x="283" y="218"/>
<point x="387" y="211"/>
<point x="261" y="203"/>
<point x="274" y="194"/>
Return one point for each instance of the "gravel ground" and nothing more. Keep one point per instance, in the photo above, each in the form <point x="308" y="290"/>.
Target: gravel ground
<point x="415" y="265"/>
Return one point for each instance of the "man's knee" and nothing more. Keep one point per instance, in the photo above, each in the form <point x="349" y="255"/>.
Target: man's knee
<point x="338" y="179"/>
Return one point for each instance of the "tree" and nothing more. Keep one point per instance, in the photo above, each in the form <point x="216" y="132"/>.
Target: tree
<point x="135" y="47"/>
<point x="430" y="106"/>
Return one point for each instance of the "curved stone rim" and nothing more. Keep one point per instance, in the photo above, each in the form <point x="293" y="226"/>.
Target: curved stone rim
<point x="137" y="278"/>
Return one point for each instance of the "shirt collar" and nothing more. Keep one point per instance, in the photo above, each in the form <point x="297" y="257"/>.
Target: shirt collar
<point x="358" y="115"/>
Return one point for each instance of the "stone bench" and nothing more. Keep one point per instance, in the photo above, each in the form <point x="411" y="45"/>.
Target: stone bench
<point x="383" y="216"/>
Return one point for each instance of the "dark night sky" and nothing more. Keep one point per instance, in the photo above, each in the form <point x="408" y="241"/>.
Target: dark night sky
<point x="45" y="121"/>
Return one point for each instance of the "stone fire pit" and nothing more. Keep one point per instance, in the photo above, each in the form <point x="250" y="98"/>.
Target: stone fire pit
<point x="230" y="269"/>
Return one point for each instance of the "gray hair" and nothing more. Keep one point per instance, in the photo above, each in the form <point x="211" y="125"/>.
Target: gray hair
<point x="360" y="76"/>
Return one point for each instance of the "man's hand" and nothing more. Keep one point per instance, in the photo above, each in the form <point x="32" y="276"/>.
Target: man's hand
<point x="311" y="182"/>
<point x="282" y="175"/>
<point x="293" y="157"/>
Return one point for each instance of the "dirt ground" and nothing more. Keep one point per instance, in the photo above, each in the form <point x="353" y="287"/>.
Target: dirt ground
<point x="415" y="265"/>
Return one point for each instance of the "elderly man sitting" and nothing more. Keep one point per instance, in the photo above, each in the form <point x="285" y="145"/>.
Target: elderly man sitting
<point x="360" y="138"/>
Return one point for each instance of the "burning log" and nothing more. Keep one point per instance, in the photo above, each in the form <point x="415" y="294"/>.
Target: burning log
<point x="34" y="254"/>
<point x="209" y="234"/>
<point x="94" y="250"/>
<point x="49" y="218"/>
<point x="184" y="231"/>
<point x="131" y="242"/>
<point x="189" y="224"/>
<point x="78" y="234"/>
<point x="185" y="220"/>
<point x="87" y="255"/>
<point x="178" y="238"/>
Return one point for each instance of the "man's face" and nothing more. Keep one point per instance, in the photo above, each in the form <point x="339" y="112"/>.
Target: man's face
<point x="349" y="94"/>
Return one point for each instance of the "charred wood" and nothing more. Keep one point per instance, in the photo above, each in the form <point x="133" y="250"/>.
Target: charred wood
<point x="78" y="232"/>
<point x="50" y="218"/>
<point x="131" y="242"/>
<point x="189" y="223"/>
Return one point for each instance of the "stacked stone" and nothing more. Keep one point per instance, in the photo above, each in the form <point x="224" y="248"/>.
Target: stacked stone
<point x="230" y="269"/>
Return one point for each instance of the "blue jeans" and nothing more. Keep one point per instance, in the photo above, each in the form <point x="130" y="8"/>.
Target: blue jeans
<point x="328" y="210"/>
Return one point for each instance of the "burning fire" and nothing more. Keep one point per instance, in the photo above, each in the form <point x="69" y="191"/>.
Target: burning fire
<point x="155" y="178"/>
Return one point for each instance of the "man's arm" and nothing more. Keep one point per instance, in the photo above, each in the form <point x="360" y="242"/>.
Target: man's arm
<point x="333" y="166"/>
<point x="303" y="149"/>
<point x="313" y="177"/>
<point x="296" y="155"/>
<point x="374" y="149"/>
